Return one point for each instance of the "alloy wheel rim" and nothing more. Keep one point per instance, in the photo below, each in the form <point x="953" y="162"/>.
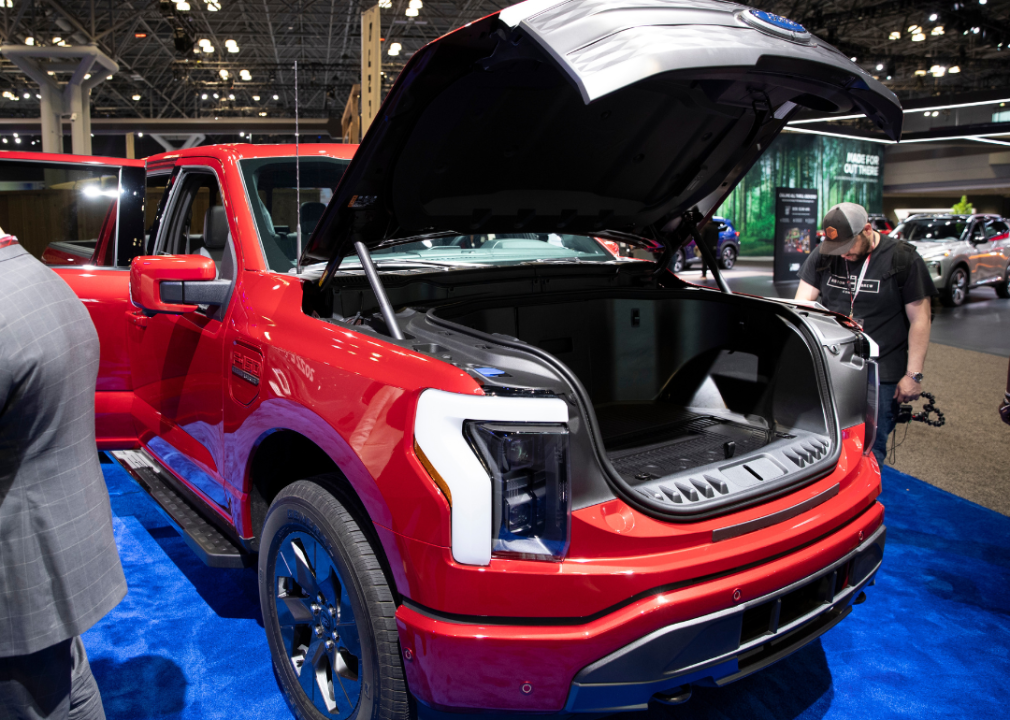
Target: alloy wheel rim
<point x="317" y="626"/>
<point x="678" y="262"/>
<point x="958" y="286"/>
<point x="728" y="257"/>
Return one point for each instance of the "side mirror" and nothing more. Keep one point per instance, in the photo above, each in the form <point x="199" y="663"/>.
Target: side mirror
<point x="175" y="283"/>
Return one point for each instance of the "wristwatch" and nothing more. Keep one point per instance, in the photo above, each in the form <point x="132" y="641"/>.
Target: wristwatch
<point x="915" y="376"/>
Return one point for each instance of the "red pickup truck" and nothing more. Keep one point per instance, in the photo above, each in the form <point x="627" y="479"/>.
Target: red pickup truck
<point x="481" y="463"/>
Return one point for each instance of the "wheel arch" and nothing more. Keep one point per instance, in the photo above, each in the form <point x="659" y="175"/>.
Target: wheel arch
<point x="281" y="457"/>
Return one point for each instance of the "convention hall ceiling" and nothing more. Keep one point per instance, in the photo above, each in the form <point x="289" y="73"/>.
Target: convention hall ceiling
<point x="185" y="58"/>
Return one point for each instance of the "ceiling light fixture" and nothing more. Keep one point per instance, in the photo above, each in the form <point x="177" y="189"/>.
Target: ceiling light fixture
<point x="263" y="114"/>
<point x="920" y="73"/>
<point x="223" y="73"/>
<point x="29" y="40"/>
<point x="880" y="66"/>
<point x="136" y="97"/>
<point x="894" y="35"/>
<point x="933" y="17"/>
<point x="914" y="28"/>
<point x="410" y="12"/>
<point x="204" y="96"/>
<point x="938" y="30"/>
<point x="231" y="97"/>
<point x="394" y="49"/>
<point x="919" y="37"/>
<point x="277" y="97"/>
<point x="416" y="4"/>
<point x="256" y="98"/>
<point x="953" y="70"/>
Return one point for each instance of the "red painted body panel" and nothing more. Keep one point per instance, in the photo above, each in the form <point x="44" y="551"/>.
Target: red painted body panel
<point x="617" y="552"/>
<point x="474" y="666"/>
<point x="106" y="293"/>
<point x="167" y="382"/>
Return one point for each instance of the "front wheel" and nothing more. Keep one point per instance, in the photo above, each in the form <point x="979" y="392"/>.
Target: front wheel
<point x="677" y="263"/>
<point x="727" y="258"/>
<point x="327" y="610"/>
<point x="1003" y="286"/>
<point x="956" y="290"/>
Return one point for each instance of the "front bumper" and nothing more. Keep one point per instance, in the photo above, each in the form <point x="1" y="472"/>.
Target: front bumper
<point x="728" y="645"/>
<point x="717" y="630"/>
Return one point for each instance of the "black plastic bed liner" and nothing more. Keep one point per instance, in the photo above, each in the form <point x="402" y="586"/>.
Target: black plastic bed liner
<point x="645" y="441"/>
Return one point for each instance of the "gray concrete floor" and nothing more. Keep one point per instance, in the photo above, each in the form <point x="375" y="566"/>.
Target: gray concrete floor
<point x="966" y="368"/>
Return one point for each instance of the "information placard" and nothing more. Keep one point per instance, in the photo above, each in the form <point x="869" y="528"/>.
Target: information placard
<point x="795" y="230"/>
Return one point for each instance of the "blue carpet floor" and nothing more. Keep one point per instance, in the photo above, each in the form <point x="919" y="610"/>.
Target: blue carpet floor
<point x="932" y="640"/>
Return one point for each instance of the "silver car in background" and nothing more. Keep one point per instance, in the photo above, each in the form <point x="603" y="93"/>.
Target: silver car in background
<point x="961" y="252"/>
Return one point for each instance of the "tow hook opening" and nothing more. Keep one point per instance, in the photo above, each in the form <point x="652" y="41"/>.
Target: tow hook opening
<point x="678" y="696"/>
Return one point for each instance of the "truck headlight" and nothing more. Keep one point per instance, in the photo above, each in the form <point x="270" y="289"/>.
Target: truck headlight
<point x="502" y="463"/>
<point x="528" y="466"/>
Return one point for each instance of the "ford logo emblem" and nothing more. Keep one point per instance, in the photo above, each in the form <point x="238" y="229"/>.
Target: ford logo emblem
<point x="778" y="21"/>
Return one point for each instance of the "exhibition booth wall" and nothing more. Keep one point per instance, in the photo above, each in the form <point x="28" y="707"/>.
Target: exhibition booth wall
<point x="839" y="170"/>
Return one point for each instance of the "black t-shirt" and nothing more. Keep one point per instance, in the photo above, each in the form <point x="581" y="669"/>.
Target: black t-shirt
<point x="880" y="301"/>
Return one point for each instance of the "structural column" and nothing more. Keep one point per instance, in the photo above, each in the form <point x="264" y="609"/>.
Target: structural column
<point x="73" y="101"/>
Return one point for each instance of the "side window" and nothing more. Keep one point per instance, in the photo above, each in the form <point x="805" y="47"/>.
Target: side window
<point x="994" y="228"/>
<point x="56" y="210"/>
<point x="154" y="207"/>
<point x="197" y="223"/>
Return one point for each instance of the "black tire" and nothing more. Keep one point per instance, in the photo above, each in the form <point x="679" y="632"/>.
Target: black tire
<point x="1003" y="286"/>
<point x="348" y="631"/>
<point x="955" y="292"/>
<point x="727" y="258"/>
<point x="677" y="262"/>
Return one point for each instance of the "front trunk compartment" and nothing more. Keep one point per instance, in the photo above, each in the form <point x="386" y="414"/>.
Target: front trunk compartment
<point x="685" y="402"/>
<point x="696" y="400"/>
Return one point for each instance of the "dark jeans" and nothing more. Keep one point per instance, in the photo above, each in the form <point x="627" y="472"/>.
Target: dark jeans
<point x="887" y="410"/>
<point x="52" y="684"/>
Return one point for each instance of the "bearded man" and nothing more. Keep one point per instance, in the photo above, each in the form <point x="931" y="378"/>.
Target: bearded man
<point x="884" y="286"/>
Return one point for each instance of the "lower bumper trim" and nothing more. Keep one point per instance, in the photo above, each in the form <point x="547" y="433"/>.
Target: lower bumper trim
<point x="728" y="645"/>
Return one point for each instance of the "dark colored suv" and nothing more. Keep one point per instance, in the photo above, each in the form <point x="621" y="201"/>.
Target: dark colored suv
<point x="727" y="251"/>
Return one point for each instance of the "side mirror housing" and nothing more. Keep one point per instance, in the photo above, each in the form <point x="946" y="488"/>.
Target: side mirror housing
<point x="158" y="283"/>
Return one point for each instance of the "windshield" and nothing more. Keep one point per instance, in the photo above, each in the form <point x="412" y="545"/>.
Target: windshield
<point x="934" y="230"/>
<point x="271" y="189"/>
<point x="491" y="249"/>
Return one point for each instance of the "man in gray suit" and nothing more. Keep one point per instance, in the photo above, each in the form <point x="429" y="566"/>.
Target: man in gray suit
<point x="59" y="568"/>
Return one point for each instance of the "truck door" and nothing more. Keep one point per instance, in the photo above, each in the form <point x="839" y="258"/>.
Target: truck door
<point x="85" y="215"/>
<point x="177" y="360"/>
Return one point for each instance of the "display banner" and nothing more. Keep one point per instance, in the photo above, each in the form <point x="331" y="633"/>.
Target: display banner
<point x="838" y="169"/>
<point x="795" y="230"/>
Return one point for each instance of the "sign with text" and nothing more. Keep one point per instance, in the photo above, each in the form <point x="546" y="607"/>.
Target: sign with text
<point x="795" y="230"/>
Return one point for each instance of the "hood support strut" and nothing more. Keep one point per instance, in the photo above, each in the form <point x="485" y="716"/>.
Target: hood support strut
<point x="706" y="251"/>
<point x="380" y="292"/>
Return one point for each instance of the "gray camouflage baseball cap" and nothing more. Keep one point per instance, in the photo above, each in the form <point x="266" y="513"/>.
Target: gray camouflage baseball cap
<point x="841" y="225"/>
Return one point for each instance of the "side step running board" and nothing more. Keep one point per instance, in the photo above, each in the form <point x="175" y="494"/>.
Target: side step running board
<point x="210" y="544"/>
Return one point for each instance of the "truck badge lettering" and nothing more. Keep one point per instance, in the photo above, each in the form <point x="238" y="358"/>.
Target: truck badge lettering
<point x="246" y="368"/>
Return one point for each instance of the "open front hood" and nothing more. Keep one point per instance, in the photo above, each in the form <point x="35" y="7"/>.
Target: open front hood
<point x="585" y="116"/>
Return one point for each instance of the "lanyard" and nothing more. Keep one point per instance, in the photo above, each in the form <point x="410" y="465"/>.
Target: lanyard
<point x="859" y="283"/>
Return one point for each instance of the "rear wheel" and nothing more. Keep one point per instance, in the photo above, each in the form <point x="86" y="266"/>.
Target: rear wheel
<point x="678" y="262"/>
<point x="1003" y="286"/>
<point x="956" y="290"/>
<point x="727" y="258"/>
<point x="328" y="610"/>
